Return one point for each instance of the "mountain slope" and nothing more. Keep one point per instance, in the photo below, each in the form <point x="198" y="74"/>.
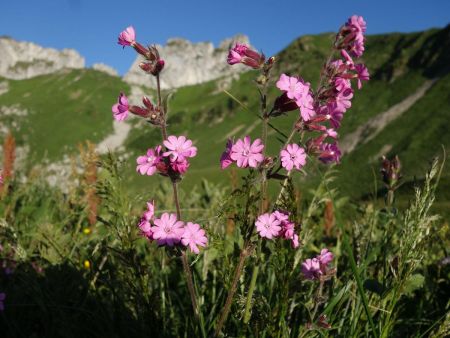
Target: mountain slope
<point x="67" y="107"/>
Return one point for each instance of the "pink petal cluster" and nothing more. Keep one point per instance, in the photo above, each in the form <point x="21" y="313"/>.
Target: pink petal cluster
<point x="193" y="236"/>
<point x="179" y="148"/>
<point x="336" y="94"/>
<point x="241" y="53"/>
<point x="121" y="108"/>
<point x="293" y="156"/>
<point x="298" y="91"/>
<point x="127" y="37"/>
<point x="277" y="224"/>
<point x="174" y="161"/>
<point x="243" y="152"/>
<point x="144" y="224"/>
<point x="168" y="230"/>
<point x="313" y="268"/>
<point x="225" y="158"/>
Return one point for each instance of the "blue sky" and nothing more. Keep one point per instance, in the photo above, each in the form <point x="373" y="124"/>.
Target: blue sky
<point x="92" y="26"/>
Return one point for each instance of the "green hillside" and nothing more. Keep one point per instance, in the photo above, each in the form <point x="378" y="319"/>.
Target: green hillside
<point x="68" y="107"/>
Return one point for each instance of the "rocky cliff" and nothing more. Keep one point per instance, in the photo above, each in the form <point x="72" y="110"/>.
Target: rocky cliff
<point x="23" y="60"/>
<point x="188" y="63"/>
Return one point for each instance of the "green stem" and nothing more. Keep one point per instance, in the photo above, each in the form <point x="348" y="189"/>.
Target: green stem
<point x="251" y="289"/>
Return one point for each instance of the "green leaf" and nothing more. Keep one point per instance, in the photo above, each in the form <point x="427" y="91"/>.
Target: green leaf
<point x="413" y="283"/>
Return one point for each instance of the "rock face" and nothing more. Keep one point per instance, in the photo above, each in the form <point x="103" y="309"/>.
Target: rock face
<point x="101" y="67"/>
<point x="23" y="60"/>
<point x="188" y="63"/>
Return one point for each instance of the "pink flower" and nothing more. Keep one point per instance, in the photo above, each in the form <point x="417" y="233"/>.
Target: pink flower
<point x="127" y="37"/>
<point x="282" y="216"/>
<point x="150" y="212"/>
<point x="362" y="74"/>
<point x="145" y="227"/>
<point x="348" y="59"/>
<point x="293" y="156"/>
<point x="193" y="235"/>
<point x="179" y="166"/>
<point x="268" y="226"/>
<point x="330" y="153"/>
<point x="2" y="299"/>
<point x="311" y="268"/>
<point x="332" y="114"/>
<point x="121" y="108"/>
<point x="342" y="84"/>
<point x="225" y="159"/>
<point x="147" y="163"/>
<point x="247" y="154"/>
<point x="305" y="102"/>
<point x="343" y="100"/>
<point x="357" y="22"/>
<point x="288" y="232"/>
<point x="236" y="54"/>
<point x="331" y="133"/>
<point x="241" y="53"/>
<point x="179" y="148"/>
<point x="167" y="230"/>
<point x="325" y="257"/>
<point x="293" y="87"/>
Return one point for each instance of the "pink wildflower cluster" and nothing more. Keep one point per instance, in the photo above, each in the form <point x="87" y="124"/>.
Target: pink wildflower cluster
<point x="314" y="268"/>
<point x="324" y="110"/>
<point x="153" y="64"/>
<point x="172" y="162"/>
<point x="241" y="53"/>
<point x="148" y="110"/>
<point x="243" y="152"/>
<point x="277" y="224"/>
<point x="168" y="230"/>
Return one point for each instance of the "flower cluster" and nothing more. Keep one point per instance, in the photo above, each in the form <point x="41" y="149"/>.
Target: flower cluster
<point x="298" y="91"/>
<point x="315" y="268"/>
<point x="277" y="224"/>
<point x="172" y="162"/>
<point x="351" y="36"/>
<point x="243" y="152"/>
<point x="241" y="53"/>
<point x="153" y="63"/>
<point x="168" y="230"/>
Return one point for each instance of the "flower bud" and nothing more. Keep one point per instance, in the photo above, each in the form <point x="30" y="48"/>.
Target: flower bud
<point x="146" y="101"/>
<point x="136" y="110"/>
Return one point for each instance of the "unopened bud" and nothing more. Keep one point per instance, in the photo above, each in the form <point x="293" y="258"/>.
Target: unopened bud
<point x="140" y="49"/>
<point x="158" y="67"/>
<point x="136" y="110"/>
<point x="146" y="101"/>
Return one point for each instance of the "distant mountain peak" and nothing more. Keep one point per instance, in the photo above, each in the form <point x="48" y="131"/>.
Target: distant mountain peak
<point x="23" y="60"/>
<point x="189" y="63"/>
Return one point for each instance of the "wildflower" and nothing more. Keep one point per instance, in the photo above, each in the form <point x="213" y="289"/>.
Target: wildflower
<point x="167" y="230"/>
<point x="225" y="159"/>
<point x="311" y="268"/>
<point x="2" y="300"/>
<point x="144" y="223"/>
<point x="268" y="226"/>
<point x="331" y="133"/>
<point x="145" y="227"/>
<point x="146" y="164"/>
<point x="325" y="257"/>
<point x="87" y="264"/>
<point x="362" y="74"/>
<point x="179" y="148"/>
<point x="330" y="152"/>
<point x="342" y="84"/>
<point x="282" y="216"/>
<point x="179" y="166"/>
<point x="343" y="100"/>
<point x="121" y="108"/>
<point x="293" y="156"/>
<point x="150" y="212"/>
<point x="358" y="23"/>
<point x="241" y="53"/>
<point x="127" y="37"/>
<point x="192" y="236"/>
<point x="87" y="231"/>
<point x="292" y="85"/>
<point x="247" y="154"/>
<point x="288" y="232"/>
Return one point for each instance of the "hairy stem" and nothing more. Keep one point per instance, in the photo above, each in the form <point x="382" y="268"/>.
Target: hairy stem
<point x="237" y="274"/>
<point x="184" y="259"/>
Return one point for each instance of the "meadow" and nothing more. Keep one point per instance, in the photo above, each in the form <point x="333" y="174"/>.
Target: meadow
<point x="315" y="243"/>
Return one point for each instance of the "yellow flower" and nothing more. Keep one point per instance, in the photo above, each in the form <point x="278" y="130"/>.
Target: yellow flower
<point x="87" y="231"/>
<point x="87" y="264"/>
